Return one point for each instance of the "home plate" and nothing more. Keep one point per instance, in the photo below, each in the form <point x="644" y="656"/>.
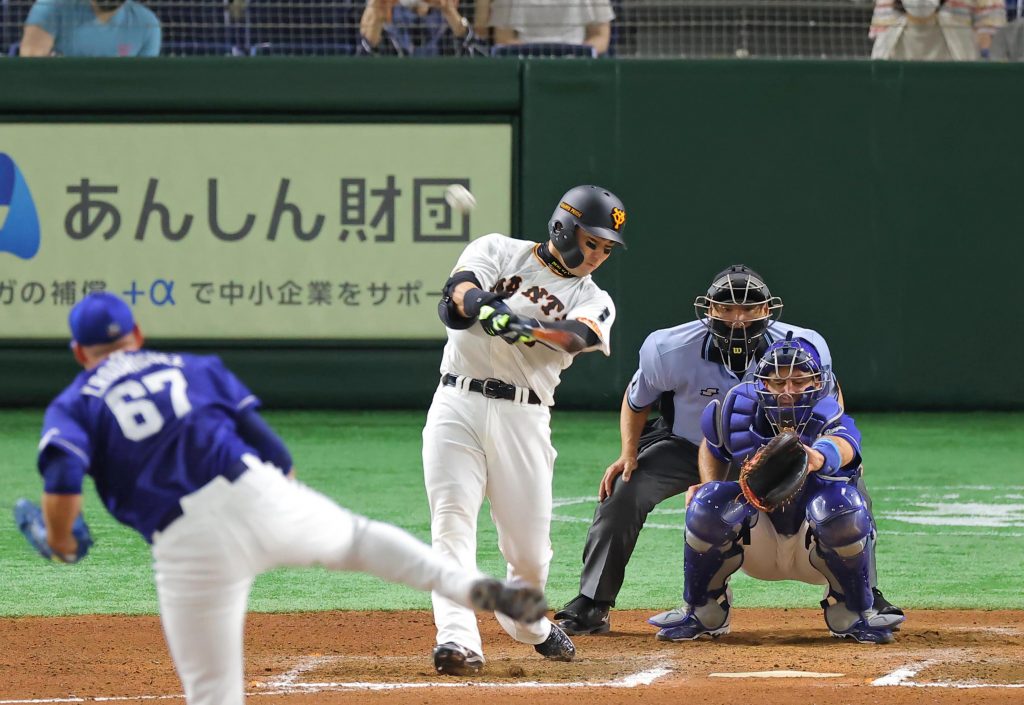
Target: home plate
<point x="776" y="674"/>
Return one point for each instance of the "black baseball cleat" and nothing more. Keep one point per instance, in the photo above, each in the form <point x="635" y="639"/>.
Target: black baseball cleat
<point x="584" y="616"/>
<point x="557" y="647"/>
<point x="519" y="601"/>
<point x="888" y="609"/>
<point x="450" y="659"/>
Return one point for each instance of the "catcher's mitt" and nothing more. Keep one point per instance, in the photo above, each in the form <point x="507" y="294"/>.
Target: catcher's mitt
<point x="774" y="474"/>
<point x="29" y="519"/>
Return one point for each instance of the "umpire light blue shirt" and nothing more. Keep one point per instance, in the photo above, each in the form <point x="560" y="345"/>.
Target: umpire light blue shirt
<point x="679" y="360"/>
<point x="131" y="31"/>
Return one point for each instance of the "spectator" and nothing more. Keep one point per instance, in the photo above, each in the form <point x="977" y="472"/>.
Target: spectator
<point x="90" y="28"/>
<point x="934" y="30"/>
<point x="1008" y="42"/>
<point x="416" y="28"/>
<point x="543" y="21"/>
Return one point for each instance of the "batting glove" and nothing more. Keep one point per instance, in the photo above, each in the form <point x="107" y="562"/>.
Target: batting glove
<point x="501" y="323"/>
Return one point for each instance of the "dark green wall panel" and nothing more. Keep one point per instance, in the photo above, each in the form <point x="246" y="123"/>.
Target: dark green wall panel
<point x="879" y="199"/>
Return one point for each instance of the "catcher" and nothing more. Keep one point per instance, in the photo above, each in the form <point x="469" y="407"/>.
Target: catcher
<point x="795" y="514"/>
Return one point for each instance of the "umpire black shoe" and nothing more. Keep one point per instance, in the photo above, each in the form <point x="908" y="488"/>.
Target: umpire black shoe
<point x="584" y="616"/>
<point x="519" y="601"/>
<point x="557" y="647"/>
<point x="888" y="609"/>
<point x="450" y="659"/>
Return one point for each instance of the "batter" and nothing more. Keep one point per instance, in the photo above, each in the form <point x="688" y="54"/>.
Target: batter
<point x="488" y="429"/>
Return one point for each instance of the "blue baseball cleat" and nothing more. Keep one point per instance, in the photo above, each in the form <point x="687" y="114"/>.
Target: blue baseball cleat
<point x="691" y="628"/>
<point x="864" y="632"/>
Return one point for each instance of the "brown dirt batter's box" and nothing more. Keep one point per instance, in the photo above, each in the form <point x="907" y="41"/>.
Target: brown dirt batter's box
<point x="376" y="657"/>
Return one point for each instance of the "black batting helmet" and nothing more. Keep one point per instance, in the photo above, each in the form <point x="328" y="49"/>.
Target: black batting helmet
<point x="597" y="210"/>
<point x="738" y="338"/>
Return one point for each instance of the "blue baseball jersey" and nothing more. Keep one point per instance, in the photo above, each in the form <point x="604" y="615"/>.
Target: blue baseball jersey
<point x="150" y="428"/>
<point x="680" y="360"/>
<point x="131" y="31"/>
<point x="733" y="436"/>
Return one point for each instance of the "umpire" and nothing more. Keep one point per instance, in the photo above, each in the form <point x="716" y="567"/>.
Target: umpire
<point x="681" y="370"/>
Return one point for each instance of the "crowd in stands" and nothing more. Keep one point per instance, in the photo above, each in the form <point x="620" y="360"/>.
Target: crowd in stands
<point x="937" y="30"/>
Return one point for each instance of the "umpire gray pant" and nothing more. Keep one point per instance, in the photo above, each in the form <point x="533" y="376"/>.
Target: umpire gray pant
<point x="665" y="468"/>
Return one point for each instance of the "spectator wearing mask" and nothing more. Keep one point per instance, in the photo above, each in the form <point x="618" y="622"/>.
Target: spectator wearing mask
<point x="416" y="28"/>
<point x="935" y="30"/>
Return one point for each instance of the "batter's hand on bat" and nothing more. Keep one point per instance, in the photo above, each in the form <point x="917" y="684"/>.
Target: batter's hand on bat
<point x="624" y="466"/>
<point x="565" y="340"/>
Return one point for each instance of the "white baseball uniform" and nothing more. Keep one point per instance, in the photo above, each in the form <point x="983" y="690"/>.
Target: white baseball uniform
<point x="166" y="438"/>
<point x="475" y="446"/>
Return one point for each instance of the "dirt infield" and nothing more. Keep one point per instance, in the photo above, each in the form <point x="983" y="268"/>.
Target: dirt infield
<point x="376" y="657"/>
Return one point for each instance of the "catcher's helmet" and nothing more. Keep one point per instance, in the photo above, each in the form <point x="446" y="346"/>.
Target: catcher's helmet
<point x="597" y="210"/>
<point x="738" y="338"/>
<point x="789" y="381"/>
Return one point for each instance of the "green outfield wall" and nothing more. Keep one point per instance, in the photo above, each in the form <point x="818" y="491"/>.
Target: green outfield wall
<point x="880" y="200"/>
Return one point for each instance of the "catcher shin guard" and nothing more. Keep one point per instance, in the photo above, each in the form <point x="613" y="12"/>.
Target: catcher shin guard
<point x="842" y="528"/>
<point x="715" y="521"/>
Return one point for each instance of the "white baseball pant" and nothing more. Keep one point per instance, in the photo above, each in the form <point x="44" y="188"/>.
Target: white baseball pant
<point x="476" y="447"/>
<point x="772" y="556"/>
<point x="229" y="533"/>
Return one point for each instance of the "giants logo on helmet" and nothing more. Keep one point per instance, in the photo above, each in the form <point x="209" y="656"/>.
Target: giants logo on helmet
<point x="618" y="218"/>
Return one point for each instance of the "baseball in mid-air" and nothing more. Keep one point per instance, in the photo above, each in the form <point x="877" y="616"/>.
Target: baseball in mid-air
<point x="459" y="198"/>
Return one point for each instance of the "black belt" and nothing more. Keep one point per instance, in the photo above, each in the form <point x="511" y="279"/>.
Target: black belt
<point x="491" y="388"/>
<point x="232" y="473"/>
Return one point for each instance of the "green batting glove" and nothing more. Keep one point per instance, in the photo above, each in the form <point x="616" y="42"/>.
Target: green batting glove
<point x="494" y="321"/>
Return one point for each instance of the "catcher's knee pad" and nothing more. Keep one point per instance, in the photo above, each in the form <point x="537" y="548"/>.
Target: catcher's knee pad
<point x="716" y="516"/>
<point x="842" y="527"/>
<point x="714" y="522"/>
<point x="839" y="519"/>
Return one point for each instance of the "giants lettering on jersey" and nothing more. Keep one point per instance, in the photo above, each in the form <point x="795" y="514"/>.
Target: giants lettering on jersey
<point x="551" y="306"/>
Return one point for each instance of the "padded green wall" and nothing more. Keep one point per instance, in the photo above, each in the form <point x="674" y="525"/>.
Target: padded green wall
<point x="880" y="201"/>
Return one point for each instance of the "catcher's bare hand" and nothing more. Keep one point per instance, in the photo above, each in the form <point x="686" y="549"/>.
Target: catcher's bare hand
<point x="814" y="459"/>
<point x="624" y="466"/>
<point x="692" y="490"/>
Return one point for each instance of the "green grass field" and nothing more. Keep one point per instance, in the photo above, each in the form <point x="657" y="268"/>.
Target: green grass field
<point x="948" y="492"/>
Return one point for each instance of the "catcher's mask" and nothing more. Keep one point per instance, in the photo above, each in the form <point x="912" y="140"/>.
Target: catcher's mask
<point x="597" y="210"/>
<point x="789" y="381"/>
<point x="738" y="309"/>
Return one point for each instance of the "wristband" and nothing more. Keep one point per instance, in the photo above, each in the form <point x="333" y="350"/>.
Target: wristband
<point x="472" y="300"/>
<point x="830" y="450"/>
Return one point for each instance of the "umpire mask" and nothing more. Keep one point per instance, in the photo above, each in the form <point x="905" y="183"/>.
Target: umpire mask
<point x="737" y="311"/>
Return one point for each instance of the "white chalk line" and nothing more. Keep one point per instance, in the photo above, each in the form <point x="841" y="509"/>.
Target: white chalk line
<point x="986" y="524"/>
<point x="902" y="677"/>
<point x="289" y="680"/>
<point x="287" y="684"/>
<point x="776" y="674"/>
